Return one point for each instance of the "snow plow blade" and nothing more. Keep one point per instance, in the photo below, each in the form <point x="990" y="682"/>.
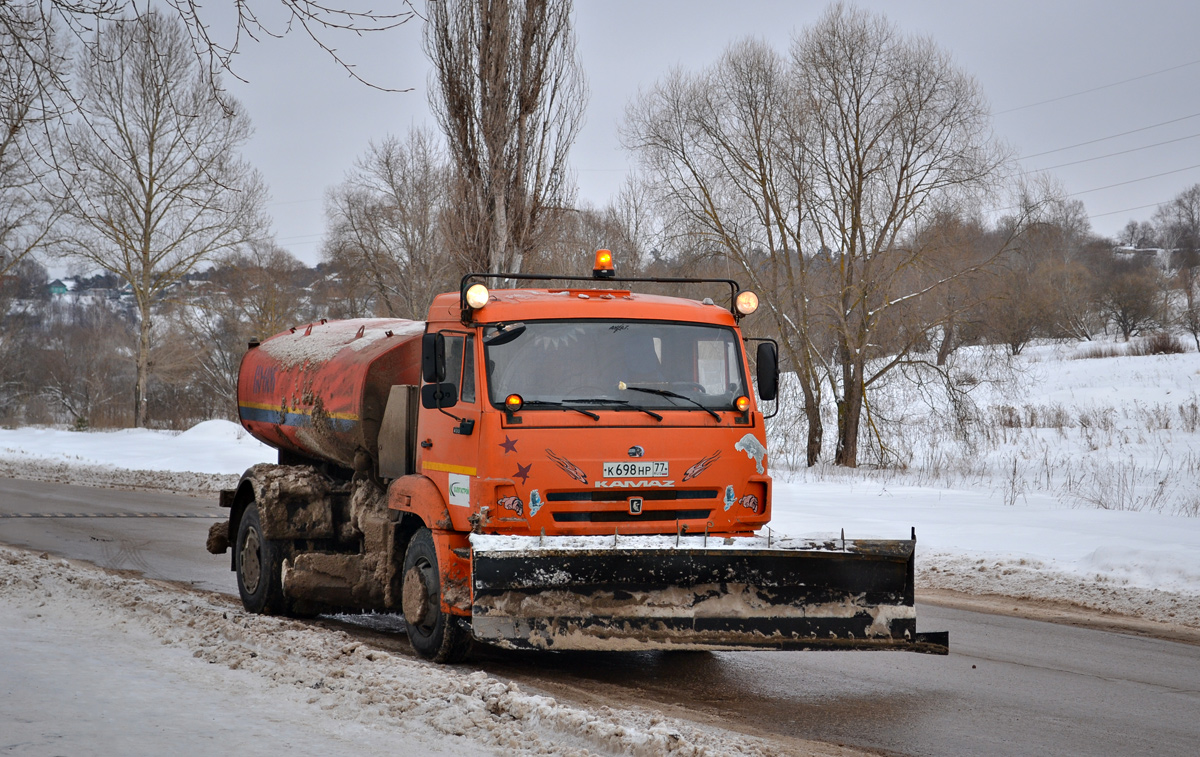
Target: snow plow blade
<point x="585" y="593"/>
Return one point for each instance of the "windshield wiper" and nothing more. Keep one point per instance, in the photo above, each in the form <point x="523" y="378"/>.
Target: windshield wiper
<point x="548" y="403"/>
<point x="669" y="393"/>
<point x="622" y="403"/>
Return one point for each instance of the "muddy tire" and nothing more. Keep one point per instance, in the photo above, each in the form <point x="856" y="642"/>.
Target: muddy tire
<point x="259" y="567"/>
<point x="433" y="634"/>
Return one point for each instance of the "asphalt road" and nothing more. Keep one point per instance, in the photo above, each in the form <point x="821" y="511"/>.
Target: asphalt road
<point x="1010" y="686"/>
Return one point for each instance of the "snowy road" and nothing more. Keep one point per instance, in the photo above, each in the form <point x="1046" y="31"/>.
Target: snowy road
<point x="1011" y="686"/>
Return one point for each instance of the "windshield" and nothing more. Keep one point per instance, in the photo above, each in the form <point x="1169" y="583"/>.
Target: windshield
<point x="609" y="363"/>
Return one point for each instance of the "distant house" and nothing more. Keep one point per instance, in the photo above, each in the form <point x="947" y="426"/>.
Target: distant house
<point x="58" y="287"/>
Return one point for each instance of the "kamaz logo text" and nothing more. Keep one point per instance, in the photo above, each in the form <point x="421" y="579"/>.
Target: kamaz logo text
<point x="626" y="484"/>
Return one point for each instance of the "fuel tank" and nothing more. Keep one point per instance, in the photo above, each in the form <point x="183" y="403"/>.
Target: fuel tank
<point x="319" y="390"/>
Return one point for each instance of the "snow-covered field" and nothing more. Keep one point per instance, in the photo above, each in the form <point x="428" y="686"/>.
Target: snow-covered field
<point x="206" y="458"/>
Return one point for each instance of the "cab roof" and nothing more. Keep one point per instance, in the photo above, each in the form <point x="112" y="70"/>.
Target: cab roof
<point x="558" y="303"/>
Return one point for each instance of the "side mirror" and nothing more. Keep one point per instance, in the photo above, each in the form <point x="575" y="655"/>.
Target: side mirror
<point x="433" y="358"/>
<point x="768" y="371"/>
<point x="435" y="396"/>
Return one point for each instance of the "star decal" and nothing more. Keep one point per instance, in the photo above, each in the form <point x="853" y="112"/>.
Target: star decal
<point x="509" y="445"/>
<point x="523" y="472"/>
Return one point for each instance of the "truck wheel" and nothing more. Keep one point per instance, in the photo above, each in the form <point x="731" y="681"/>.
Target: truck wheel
<point x="259" y="567"/>
<point x="433" y="634"/>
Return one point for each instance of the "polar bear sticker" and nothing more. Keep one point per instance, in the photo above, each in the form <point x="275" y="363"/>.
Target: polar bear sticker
<point x="753" y="449"/>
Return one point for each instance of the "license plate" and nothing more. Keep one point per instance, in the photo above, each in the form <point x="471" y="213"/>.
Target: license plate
<point x="637" y="469"/>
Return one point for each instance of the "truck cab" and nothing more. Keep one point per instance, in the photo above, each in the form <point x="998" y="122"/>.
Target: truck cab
<point x="592" y="411"/>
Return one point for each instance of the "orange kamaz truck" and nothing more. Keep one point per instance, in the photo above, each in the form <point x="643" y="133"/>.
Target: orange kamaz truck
<point x="578" y="466"/>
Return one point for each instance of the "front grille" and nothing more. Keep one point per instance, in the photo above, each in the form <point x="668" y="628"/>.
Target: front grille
<point x="620" y="495"/>
<point x="623" y="516"/>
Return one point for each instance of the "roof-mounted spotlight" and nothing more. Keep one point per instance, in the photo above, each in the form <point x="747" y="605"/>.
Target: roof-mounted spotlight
<point x="603" y="269"/>
<point x="747" y="303"/>
<point x="477" y="296"/>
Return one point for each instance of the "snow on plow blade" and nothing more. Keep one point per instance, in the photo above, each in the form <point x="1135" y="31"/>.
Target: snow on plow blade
<point x="647" y="593"/>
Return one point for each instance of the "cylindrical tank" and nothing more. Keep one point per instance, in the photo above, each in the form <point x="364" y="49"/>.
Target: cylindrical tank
<point x="319" y="390"/>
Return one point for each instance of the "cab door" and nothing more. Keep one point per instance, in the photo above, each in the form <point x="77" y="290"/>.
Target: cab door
<point x="448" y="448"/>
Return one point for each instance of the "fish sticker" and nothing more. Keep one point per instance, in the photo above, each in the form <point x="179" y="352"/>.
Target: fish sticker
<point x="702" y="466"/>
<point x="730" y="497"/>
<point x="512" y="503"/>
<point x="753" y="449"/>
<point x="750" y="502"/>
<point x="535" y="503"/>
<point x="567" y="467"/>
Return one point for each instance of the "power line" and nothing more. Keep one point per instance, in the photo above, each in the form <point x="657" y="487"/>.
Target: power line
<point x="1097" y="89"/>
<point x="1121" y="152"/>
<point x="1112" y="136"/>
<point x="1128" y="210"/>
<point x="302" y="239"/>
<point x="1118" y="184"/>
<point x="1134" y="181"/>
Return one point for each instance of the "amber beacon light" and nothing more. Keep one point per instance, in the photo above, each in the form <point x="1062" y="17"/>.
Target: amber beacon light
<point x="604" y="265"/>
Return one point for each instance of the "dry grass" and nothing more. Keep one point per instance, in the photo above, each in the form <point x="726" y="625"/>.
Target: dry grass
<point x="1158" y="343"/>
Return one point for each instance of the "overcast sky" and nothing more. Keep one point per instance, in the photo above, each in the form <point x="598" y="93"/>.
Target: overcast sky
<point x="1055" y="73"/>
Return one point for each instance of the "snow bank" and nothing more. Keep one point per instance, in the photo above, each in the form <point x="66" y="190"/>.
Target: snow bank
<point x="1144" y="564"/>
<point x="283" y="674"/>
<point x="211" y="447"/>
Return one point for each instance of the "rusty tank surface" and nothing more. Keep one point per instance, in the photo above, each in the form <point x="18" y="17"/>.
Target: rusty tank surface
<point x="318" y="391"/>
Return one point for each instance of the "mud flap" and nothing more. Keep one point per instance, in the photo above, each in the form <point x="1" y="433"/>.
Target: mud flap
<point x="588" y="593"/>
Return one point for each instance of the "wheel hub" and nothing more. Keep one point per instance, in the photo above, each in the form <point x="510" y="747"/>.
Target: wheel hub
<point x="251" y="561"/>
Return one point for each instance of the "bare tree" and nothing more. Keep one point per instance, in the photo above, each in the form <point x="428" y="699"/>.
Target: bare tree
<point x="814" y="175"/>
<point x="248" y="295"/>
<point x="895" y="133"/>
<point x="29" y="52"/>
<point x="509" y="94"/>
<point x="1139" y="235"/>
<point x="215" y="49"/>
<point x="384" y="220"/>
<point x="640" y="225"/>
<point x="161" y="188"/>
<point x="1063" y="260"/>
<point x="80" y="369"/>
<point x="724" y="148"/>
<point x="1178" y="225"/>
<point x="959" y="308"/>
<point x="1129" y="296"/>
<point x="1178" y="221"/>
